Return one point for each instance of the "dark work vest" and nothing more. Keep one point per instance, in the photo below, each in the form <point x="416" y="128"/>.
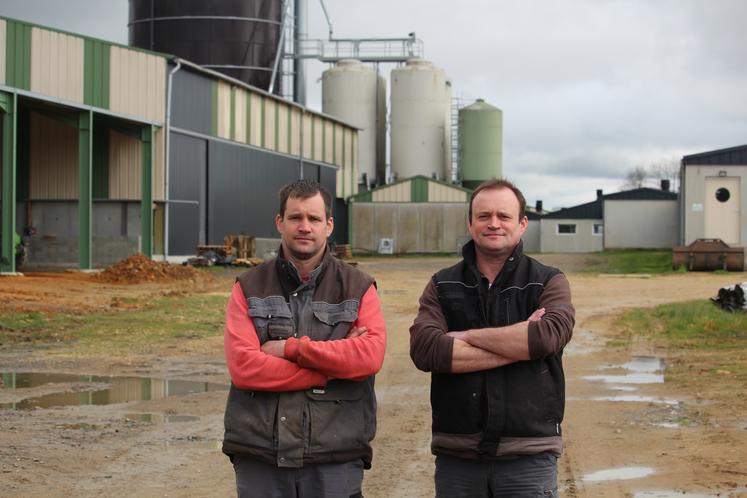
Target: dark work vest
<point x="522" y="399"/>
<point x="330" y="424"/>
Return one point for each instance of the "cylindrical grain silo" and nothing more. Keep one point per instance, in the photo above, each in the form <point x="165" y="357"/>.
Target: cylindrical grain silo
<point x="480" y="143"/>
<point x="420" y="103"/>
<point x="236" y="38"/>
<point x="351" y="91"/>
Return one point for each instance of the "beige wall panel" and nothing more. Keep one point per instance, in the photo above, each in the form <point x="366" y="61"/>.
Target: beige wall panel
<point x="159" y="171"/>
<point x="582" y="241"/>
<point x="329" y="129"/>
<point x="351" y="179"/>
<point x="224" y="110"/>
<point x="443" y="193"/>
<point x="318" y="139"/>
<point x="137" y="84"/>
<point x="125" y="164"/>
<point x="307" y="140"/>
<point x="408" y="229"/>
<point x="239" y="119"/>
<point x="255" y="131"/>
<point x="400" y="192"/>
<point x="339" y="156"/>
<point x="640" y="224"/>
<point x="431" y="227"/>
<point x="295" y="131"/>
<point x="53" y="159"/>
<point x="455" y="227"/>
<point x="270" y="134"/>
<point x="282" y="128"/>
<point x="363" y="223"/>
<point x="3" y="37"/>
<point x="57" y="64"/>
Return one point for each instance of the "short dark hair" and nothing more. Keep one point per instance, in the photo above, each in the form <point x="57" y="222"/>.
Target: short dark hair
<point x="304" y="189"/>
<point x="497" y="184"/>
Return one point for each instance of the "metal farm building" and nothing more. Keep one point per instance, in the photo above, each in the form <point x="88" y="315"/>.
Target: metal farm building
<point x="108" y="150"/>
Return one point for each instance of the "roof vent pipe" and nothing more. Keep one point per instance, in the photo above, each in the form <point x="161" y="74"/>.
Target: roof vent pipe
<point x="599" y="193"/>
<point x="665" y="185"/>
<point x="538" y="207"/>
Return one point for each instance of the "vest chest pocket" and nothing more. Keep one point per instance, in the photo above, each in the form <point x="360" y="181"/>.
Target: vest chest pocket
<point x="333" y="321"/>
<point x="272" y="318"/>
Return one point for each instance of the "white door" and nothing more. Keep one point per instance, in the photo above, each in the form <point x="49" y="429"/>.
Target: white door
<point x="722" y="201"/>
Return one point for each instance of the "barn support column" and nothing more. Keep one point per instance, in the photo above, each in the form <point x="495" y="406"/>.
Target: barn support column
<point x="8" y="107"/>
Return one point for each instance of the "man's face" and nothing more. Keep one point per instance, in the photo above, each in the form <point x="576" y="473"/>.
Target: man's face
<point x="495" y="225"/>
<point x="304" y="228"/>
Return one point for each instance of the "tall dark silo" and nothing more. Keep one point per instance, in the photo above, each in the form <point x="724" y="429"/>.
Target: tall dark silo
<point x="238" y="38"/>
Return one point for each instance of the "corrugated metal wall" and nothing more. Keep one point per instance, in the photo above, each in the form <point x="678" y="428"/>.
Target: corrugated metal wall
<point x="398" y="192"/>
<point x="240" y="118"/>
<point x="53" y="159"/>
<point x="57" y="64"/>
<point x="138" y="84"/>
<point x="223" y="110"/>
<point x="187" y="191"/>
<point x="125" y="158"/>
<point x="192" y="105"/>
<point x="443" y="193"/>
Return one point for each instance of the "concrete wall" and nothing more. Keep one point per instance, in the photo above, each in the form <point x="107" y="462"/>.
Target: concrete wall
<point x="640" y="224"/>
<point x="694" y="200"/>
<point x="582" y="241"/>
<point x="415" y="227"/>
<point x="115" y="232"/>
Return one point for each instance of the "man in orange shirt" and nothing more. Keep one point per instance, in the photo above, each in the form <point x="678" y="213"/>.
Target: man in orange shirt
<point x="304" y="337"/>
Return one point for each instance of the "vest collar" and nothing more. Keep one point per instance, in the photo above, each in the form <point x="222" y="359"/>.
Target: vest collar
<point x="468" y="253"/>
<point x="290" y="274"/>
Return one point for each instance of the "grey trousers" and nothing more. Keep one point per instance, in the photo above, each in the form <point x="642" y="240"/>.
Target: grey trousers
<point x="329" y="480"/>
<point x="523" y="477"/>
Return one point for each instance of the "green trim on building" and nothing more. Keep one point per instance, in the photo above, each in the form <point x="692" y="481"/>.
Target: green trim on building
<point x="334" y="143"/>
<point x="262" y="122"/>
<point x="85" y="132"/>
<point x="232" y="125"/>
<point x="8" y="104"/>
<point x="214" y="108"/>
<point x="418" y="189"/>
<point x="146" y="192"/>
<point x="23" y="153"/>
<point x="100" y="172"/>
<point x="18" y="55"/>
<point x="96" y="73"/>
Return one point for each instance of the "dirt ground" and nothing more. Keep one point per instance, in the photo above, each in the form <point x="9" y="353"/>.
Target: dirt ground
<point x="637" y="438"/>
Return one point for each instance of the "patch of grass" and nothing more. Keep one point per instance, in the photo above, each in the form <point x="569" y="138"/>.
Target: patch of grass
<point x="691" y="325"/>
<point x="631" y="261"/>
<point x="159" y="321"/>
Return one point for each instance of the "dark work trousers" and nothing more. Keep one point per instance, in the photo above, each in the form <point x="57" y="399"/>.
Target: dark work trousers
<point x="325" y="480"/>
<point x="523" y="477"/>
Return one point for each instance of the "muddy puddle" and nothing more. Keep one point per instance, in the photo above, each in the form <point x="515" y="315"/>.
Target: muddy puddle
<point x="29" y="390"/>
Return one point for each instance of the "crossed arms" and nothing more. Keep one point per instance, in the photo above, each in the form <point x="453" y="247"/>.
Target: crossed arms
<point x="297" y="364"/>
<point x="434" y="348"/>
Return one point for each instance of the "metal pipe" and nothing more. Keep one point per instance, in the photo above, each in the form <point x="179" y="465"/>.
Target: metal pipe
<point x="299" y="71"/>
<point x="326" y="16"/>
<point x="167" y="159"/>
<point x="279" y="52"/>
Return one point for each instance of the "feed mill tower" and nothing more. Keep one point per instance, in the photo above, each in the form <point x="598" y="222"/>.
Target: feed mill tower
<point x="480" y="143"/>
<point x="420" y="121"/>
<point x="356" y="93"/>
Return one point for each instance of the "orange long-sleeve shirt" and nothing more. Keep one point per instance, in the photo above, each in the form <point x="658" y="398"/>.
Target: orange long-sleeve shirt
<point x="307" y="363"/>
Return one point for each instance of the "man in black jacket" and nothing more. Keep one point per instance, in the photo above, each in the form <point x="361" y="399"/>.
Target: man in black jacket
<point x="491" y="330"/>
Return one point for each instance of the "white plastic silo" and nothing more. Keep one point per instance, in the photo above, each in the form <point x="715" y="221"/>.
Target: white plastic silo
<point x="352" y="92"/>
<point x="420" y="106"/>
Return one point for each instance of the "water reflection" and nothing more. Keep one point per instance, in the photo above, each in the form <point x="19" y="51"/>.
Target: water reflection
<point x="96" y="390"/>
<point x="619" y="473"/>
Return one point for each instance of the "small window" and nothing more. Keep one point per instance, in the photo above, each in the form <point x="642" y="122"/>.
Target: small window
<point x="597" y="229"/>
<point x="566" y="228"/>
<point x="723" y="194"/>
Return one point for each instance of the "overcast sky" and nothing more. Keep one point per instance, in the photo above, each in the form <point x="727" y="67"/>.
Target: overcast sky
<point x="588" y="88"/>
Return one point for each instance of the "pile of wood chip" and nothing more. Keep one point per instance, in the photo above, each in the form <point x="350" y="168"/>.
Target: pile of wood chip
<point x="138" y="268"/>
